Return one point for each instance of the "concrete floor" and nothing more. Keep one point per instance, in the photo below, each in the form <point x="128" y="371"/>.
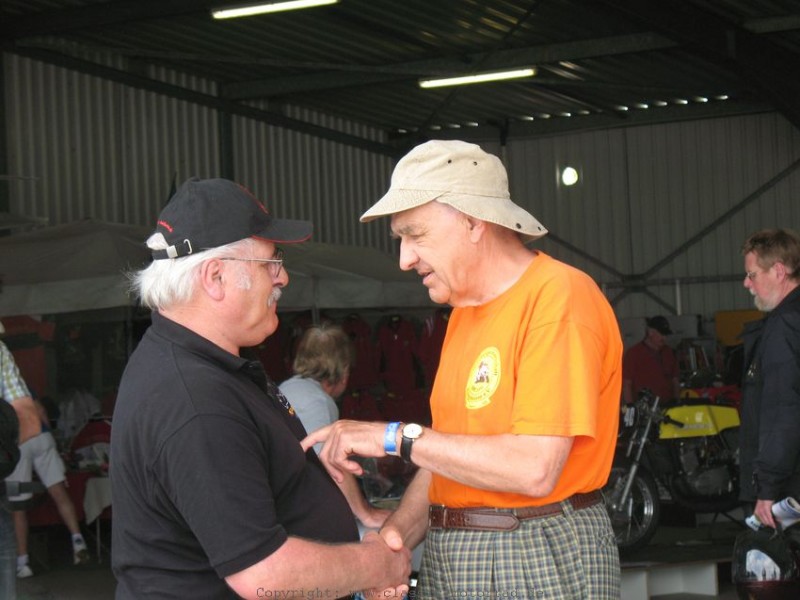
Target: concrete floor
<point x="92" y="582"/>
<point x="684" y="539"/>
<point x="56" y="578"/>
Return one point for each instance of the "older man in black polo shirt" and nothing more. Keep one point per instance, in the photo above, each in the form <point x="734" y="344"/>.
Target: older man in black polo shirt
<point x="213" y="494"/>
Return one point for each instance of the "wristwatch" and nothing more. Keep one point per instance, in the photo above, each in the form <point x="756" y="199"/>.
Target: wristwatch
<point x="411" y="432"/>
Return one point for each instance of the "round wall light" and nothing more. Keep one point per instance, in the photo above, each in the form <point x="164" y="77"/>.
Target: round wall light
<point x="569" y="176"/>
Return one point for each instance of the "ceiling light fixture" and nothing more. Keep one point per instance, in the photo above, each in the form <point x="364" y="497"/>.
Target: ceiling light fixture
<point x="248" y="10"/>
<point x="478" y="78"/>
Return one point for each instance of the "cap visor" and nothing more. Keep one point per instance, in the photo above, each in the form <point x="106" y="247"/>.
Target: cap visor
<point x="287" y="231"/>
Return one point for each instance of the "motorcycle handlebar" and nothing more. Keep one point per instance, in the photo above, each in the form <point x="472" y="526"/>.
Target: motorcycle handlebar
<point x="646" y="397"/>
<point x="672" y="421"/>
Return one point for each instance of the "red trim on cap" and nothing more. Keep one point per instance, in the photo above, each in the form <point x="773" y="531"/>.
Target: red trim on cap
<point x="165" y="225"/>
<point x="253" y="198"/>
<point x="274" y="241"/>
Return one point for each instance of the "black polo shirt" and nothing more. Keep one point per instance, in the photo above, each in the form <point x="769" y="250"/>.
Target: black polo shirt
<point x="207" y="473"/>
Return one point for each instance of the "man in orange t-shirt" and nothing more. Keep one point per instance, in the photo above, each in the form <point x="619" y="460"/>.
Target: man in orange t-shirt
<point x="525" y="403"/>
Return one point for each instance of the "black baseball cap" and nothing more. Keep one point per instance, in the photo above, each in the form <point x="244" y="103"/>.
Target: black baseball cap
<point x="660" y="324"/>
<point x="208" y="213"/>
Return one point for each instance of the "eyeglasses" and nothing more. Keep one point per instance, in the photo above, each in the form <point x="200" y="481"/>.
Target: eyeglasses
<point x="751" y="275"/>
<point x="273" y="265"/>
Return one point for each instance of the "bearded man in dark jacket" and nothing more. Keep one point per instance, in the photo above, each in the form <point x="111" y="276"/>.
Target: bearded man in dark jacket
<point x="770" y="409"/>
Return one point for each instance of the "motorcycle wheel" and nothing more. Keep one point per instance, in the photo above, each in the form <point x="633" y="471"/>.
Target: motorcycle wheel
<point x="636" y="521"/>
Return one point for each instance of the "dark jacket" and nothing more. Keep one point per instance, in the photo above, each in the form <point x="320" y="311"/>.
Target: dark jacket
<point x="770" y="411"/>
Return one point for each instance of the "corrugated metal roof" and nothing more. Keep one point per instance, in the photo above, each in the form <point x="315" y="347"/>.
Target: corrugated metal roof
<point x="601" y="62"/>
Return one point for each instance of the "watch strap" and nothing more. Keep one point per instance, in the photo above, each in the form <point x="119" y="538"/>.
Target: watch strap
<point x="405" y="448"/>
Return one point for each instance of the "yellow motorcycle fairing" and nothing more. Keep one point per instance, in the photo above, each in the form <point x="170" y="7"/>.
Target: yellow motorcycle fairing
<point x="699" y="420"/>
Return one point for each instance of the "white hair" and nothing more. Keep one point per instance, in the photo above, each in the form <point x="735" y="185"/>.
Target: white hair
<point x="168" y="282"/>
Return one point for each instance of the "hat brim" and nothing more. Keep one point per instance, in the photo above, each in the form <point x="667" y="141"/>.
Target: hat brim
<point x="500" y="211"/>
<point x="395" y="201"/>
<point x="286" y="231"/>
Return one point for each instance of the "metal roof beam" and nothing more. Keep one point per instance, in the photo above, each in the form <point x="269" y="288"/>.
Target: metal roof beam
<point x="541" y="127"/>
<point x="550" y="53"/>
<point x="107" y="14"/>
<point x="187" y="95"/>
<point x="763" y="64"/>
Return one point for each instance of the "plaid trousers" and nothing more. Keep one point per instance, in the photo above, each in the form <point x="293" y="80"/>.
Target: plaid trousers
<point x="572" y="556"/>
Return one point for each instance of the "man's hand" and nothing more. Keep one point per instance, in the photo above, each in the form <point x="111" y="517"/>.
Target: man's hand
<point x="392" y="538"/>
<point x="345" y="439"/>
<point x="763" y="512"/>
<point x="397" y="565"/>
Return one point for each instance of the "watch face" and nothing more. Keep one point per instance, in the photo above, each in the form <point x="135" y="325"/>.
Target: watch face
<point x="412" y="430"/>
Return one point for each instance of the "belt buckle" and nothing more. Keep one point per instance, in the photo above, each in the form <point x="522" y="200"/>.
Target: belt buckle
<point x="439" y="508"/>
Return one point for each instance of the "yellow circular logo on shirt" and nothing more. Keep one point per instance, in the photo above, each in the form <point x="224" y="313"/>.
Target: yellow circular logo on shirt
<point x="484" y="377"/>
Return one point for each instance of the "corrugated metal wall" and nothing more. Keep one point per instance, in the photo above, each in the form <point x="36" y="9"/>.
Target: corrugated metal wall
<point x="99" y="149"/>
<point x="107" y="151"/>
<point x="103" y="150"/>
<point x="305" y="177"/>
<point x="647" y="191"/>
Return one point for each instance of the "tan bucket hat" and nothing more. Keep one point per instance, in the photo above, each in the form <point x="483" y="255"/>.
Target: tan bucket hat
<point x="459" y="174"/>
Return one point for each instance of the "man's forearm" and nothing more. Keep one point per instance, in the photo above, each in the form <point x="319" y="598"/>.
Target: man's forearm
<point x="359" y="505"/>
<point x="410" y="520"/>
<point x="300" y="567"/>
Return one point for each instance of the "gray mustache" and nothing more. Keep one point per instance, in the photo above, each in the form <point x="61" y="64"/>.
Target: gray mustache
<point x="274" y="296"/>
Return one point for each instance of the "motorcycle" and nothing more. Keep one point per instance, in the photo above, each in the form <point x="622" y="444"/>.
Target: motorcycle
<point x="686" y="454"/>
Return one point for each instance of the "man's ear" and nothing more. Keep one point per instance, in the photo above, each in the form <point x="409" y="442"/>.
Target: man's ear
<point x="213" y="278"/>
<point x="780" y="270"/>
<point x="476" y="228"/>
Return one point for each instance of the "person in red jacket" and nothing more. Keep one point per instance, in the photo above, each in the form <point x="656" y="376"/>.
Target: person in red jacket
<point x="651" y="364"/>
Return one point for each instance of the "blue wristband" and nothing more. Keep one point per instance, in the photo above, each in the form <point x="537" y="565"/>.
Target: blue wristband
<point x="390" y="438"/>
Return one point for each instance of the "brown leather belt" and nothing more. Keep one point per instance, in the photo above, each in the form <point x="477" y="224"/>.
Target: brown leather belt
<point x="503" y="519"/>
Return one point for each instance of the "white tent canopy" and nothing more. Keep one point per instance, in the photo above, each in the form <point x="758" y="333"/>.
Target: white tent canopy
<point x="81" y="265"/>
<point x="335" y="276"/>
<point x="67" y="268"/>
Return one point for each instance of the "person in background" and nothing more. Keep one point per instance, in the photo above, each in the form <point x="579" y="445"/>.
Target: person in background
<point x="651" y="364"/>
<point x="770" y="408"/>
<point x="37" y="451"/>
<point x="525" y="402"/>
<point x="321" y="369"/>
<point x="213" y="495"/>
<point x="10" y="384"/>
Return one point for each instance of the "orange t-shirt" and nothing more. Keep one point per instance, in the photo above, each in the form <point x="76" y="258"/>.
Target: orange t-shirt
<point x="543" y="358"/>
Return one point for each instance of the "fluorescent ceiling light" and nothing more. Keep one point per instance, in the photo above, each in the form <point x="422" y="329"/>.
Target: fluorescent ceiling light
<point x="249" y="10"/>
<point x="478" y="78"/>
